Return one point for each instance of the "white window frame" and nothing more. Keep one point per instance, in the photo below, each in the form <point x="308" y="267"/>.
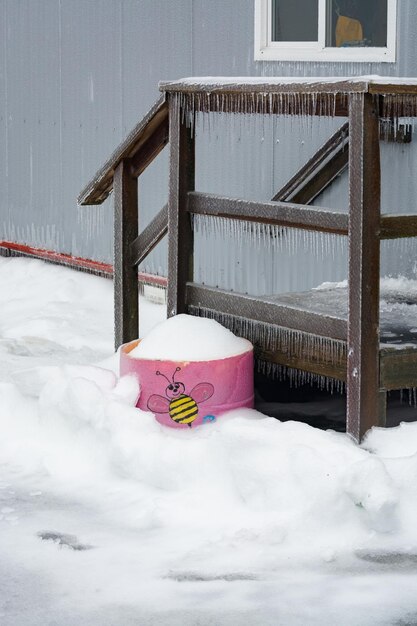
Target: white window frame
<point x="268" y="50"/>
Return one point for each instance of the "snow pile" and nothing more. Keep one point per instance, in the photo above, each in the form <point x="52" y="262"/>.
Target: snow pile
<point x="398" y="307"/>
<point x="249" y="477"/>
<point x="399" y="286"/>
<point x="189" y="338"/>
<point x="239" y="500"/>
<point x="248" y="517"/>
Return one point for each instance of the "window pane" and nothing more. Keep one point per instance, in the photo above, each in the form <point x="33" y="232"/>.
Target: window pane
<point x="357" y="23"/>
<point x="295" y="20"/>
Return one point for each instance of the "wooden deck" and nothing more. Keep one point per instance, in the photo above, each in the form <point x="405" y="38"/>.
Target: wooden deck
<point x="311" y="316"/>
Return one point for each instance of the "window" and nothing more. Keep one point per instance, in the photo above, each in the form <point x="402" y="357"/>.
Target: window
<point x="325" y="30"/>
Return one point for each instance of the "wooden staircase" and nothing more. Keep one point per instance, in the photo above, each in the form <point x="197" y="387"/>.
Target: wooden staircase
<point x="368" y="370"/>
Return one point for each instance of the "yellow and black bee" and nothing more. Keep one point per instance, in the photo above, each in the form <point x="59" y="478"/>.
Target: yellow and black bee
<point x="182" y="408"/>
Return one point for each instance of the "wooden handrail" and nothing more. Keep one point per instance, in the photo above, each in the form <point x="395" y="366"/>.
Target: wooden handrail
<point x="324" y="177"/>
<point x="398" y="226"/>
<point x="294" y="215"/>
<point x="150" y="237"/>
<point x="141" y="146"/>
<point x="301" y="181"/>
<point x="278" y="213"/>
<point x="275" y="85"/>
<point x="120" y="172"/>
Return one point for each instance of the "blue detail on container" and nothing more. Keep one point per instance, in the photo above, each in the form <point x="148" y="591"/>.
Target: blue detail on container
<point x="209" y="418"/>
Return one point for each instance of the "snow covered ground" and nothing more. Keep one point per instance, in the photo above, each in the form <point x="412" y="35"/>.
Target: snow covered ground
<point x="108" y="518"/>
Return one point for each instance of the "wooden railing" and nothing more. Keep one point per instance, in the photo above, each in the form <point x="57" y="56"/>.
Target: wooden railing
<point x="356" y="143"/>
<point x="119" y="174"/>
<point x="132" y="157"/>
<point x="363" y="102"/>
<point x="320" y="171"/>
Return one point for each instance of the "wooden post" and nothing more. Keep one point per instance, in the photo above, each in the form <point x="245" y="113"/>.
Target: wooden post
<point x="363" y="398"/>
<point x="180" y="235"/>
<point x="126" y="307"/>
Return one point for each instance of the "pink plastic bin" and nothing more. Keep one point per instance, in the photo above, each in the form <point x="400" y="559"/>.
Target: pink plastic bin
<point x="186" y="394"/>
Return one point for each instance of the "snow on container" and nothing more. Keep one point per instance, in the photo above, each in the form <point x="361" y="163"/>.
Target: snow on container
<point x="191" y="370"/>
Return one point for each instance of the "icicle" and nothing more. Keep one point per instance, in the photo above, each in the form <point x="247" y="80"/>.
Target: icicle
<point x="263" y="103"/>
<point x="297" y="378"/>
<point x="401" y="105"/>
<point x="292" y="343"/>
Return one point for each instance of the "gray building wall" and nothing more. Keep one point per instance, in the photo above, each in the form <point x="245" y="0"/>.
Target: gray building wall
<point x="76" y="75"/>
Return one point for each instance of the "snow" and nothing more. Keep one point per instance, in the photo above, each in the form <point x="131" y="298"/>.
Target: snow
<point x="107" y="517"/>
<point x="212" y="82"/>
<point x="398" y="307"/>
<point x="400" y="286"/>
<point x="189" y="338"/>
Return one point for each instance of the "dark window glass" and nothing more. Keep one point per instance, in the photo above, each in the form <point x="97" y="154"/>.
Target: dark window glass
<point x="356" y="23"/>
<point x="295" y="20"/>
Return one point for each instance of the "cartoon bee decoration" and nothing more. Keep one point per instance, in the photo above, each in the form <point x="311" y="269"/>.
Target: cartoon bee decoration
<point x="182" y="408"/>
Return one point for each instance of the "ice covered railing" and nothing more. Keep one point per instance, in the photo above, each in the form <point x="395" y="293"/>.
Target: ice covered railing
<point x="289" y="331"/>
<point x="292" y="96"/>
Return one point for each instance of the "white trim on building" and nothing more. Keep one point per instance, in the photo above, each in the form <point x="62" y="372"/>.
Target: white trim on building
<point x="268" y="50"/>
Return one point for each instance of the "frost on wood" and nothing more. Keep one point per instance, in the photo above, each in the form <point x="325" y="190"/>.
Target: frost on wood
<point x="401" y="105"/>
<point x="269" y="236"/>
<point x="299" y="378"/>
<point x="274" y="338"/>
<point x="289" y="103"/>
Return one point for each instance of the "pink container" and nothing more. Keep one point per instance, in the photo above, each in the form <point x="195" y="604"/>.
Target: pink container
<point x="186" y="394"/>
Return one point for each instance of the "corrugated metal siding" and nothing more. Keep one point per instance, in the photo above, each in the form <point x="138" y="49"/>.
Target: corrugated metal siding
<point x="75" y="76"/>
